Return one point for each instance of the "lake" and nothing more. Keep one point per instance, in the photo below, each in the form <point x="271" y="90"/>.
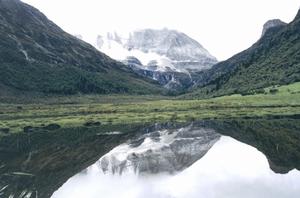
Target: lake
<point x="212" y="158"/>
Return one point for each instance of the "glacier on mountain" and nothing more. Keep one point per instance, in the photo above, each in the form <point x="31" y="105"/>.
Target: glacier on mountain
<point x="167" y="56"/>
<point x="158" y="50"/>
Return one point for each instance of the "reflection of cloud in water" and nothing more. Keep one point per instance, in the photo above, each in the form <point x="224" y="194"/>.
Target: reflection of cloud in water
<point x="229" y="169"/>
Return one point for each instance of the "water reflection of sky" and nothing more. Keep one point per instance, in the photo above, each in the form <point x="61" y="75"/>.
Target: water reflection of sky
<point x="229" y="169"/>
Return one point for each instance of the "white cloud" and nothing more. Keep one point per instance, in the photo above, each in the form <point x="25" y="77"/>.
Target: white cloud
<point x="223" y="27"/>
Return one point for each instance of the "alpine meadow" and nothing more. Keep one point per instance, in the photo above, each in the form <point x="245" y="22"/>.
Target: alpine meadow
<point x="151" y="111"/>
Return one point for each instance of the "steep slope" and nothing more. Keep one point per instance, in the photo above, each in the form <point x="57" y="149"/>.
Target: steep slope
<point x="38" y="56"/>
<point x="274" y="59"/>
<point x="170" y="49"/>
<point x="272" y="23"/>
<point x="184" y="52"/>
<point x="167" y="56"/>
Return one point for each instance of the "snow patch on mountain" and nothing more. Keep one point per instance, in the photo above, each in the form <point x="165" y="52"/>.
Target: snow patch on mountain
<point x="117" y="50"/>
<point x="158" y="50"/>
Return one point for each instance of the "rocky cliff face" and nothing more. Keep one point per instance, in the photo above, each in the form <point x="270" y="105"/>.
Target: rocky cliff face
<point x="272" y="23"/>
<point x="167" y="56"/>
<point x="184" y="52"/>
<point x="168" y="48"/>
<point x="160" y="151"/>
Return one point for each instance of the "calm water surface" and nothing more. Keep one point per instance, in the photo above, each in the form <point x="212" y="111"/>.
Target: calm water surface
<point x="250" y="158"/>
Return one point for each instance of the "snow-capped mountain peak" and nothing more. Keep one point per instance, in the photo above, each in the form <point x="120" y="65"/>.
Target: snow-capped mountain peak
<point x="175" y="45"/>
<point x="169" y="49"/>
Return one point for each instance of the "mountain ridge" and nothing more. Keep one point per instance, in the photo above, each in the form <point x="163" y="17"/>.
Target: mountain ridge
<point x="56" y="62"/>
<point x="271" y="24"/>
<point x="164" y="55"/>
<point x="273" y="60"/>
<point x="171" y="45"/>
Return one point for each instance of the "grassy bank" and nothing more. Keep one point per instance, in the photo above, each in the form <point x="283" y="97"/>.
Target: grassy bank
<point x="284" y="101"/>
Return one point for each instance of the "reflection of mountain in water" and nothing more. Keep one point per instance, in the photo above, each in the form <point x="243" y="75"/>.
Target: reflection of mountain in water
<point x="39" y="163"/>
<point x="279" y="140"/>
<point x="160" y="151"/>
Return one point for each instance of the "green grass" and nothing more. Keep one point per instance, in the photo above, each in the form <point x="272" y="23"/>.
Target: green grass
<point x="126" y="110"/>
<point x="57" y="62"/>
<point x="274" y="59"/>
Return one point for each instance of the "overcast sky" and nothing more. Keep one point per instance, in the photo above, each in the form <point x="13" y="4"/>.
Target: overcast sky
<point x="223" y="27"/>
